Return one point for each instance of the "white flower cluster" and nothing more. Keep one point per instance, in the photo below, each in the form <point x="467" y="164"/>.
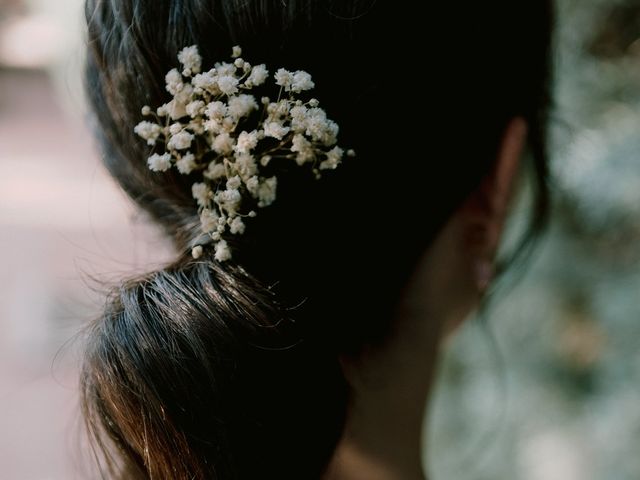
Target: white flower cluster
<point x="214" y="129"/>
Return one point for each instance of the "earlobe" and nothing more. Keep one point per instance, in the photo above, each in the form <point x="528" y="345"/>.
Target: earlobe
<point x="492" y="202"/>
<point x="507" y="164"/>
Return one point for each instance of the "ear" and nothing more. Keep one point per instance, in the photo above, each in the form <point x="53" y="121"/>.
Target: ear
<point x="488" y="206"/>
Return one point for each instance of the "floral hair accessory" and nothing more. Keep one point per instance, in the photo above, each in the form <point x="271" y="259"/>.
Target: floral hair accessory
<point x="226" y="137"/>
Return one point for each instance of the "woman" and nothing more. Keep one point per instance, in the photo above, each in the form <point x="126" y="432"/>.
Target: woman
<point x="307" y="349"/>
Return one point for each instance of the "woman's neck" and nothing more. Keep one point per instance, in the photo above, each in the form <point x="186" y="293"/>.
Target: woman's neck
<point x="390" y="389"/>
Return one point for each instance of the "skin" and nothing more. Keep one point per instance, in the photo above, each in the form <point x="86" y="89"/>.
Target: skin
<point x="391" y="383"/>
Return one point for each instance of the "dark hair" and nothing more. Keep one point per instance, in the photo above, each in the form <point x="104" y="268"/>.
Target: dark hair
<point x="231" y="370"/>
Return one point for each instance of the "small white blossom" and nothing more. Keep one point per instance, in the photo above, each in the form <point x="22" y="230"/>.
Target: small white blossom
<point x="215" y="171"/>
<point x="246" y="165"/>
<point x="351" y="153"/>
<point x="197" y="126"/>
<point x="162" y="110"/>
<point x="334" y="156"/>
<point x="239" y="63"/>
<point x="242" y="105"/>
<point x="237" y="226"/>
<point x="159" y="163"/>
<point x="234" y="183"/>
<point x="253" y="184"/>
<point x="303" y="148"/>
<point x="275" y="130"/>
<point x="258" y="75"/>
<point x="267" y="192"/>
<point x="264" y="161"/>
<point x="228" y="84"/>
<point x="284" y="78"/>
<point x="196" y="252"/>
<point x="314" y="102"/>
<point x="246" y="142"/>
<point x="173" y="80"/>
<point x="209" y="220"/>
<point x="181" y="140"/>
<point x="202" y="193"/>
<point x="190" y="60"/>
<point x="299" y="119"/>
<point x="148" y="131"/>
<point x="195" y="108"/>
<point x="229" y="199"/>
<point x="236" y="51"/>
<point x="223" y="144"/>
<point x="186" y="164"/>
<point x="146" y="110"/>
<point x="178" y="106"/>
<point x="223" y="253"/>
<point x="279" y="109"/>
<point x="205" y="81"/>
<point x="301" y="81"/>
<point x="224" y="69"/>
<point x="175" y="128"/>
<point x="320" y="128"/>
<point x="216" y="110"/>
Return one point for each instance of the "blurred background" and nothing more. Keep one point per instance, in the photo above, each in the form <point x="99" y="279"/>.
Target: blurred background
<point x="63" y="224"/>
<point x="546" y="386"/>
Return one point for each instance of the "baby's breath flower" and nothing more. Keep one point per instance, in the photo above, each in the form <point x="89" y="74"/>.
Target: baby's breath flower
<point x="202" y="193"/>
<point x="258" y="75"/>
<point x="223" y="253"/>
<point x="159" y="163"/>
<point x="267" y="192"/>
<point x="241" y="106"/>
<point x="216" y="110"/>
<point x="215" y="171"/>
<point x="229" y="199"/>
<point x="190" y="60"/>
<point x="209" y="220"/>
<point x="175" y="128"/>
<point x="205" y="81"/>
<point x="284" y="78"/>
<point x="228" y="84"/>
<point x="174" y="81"/>
<point x="234" y="183"/>
<point x="186" y="164"/>
<point x="208" y="122"/>
<point x="275" y="130"/>
<point x="246" y="165"/>
<point x="303" y="148"/>
<point x="225" y="69"/>
<point x="237" y="226"/>
<point x="181" y="140"/>
<point x="195" y="108"/>
<point x="149" y="131"/>
<point x="236" y="51"/>
<point x="223" y="144"/>
<point x="334" y="156"/>
<point x="246" y="142"/>
<point x="301" y="81"/>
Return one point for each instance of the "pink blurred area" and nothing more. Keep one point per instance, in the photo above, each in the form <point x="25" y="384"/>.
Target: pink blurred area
<point x="63" y="223"/>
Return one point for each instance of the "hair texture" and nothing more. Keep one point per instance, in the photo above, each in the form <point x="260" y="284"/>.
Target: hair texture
<point x="207" y="370"/>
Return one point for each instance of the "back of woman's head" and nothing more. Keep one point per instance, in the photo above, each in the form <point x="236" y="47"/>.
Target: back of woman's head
<point x="231" y="370"/>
